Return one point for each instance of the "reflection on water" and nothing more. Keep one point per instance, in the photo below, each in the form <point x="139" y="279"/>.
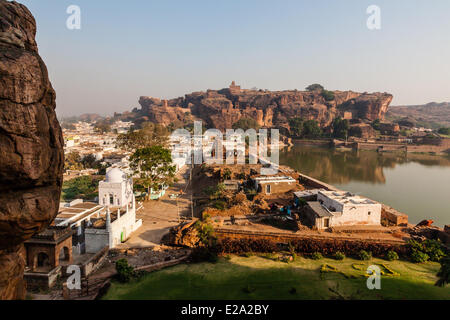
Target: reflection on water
<point x="417" y="184"/>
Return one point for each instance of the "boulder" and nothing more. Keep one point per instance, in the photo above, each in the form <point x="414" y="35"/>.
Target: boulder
<point x="31" y="145"/>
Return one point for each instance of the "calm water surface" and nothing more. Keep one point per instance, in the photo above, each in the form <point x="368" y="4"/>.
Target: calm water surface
<point x="416" y="184"/>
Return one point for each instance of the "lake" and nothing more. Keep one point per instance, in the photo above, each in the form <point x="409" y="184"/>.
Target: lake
<point x="416" y="184"/>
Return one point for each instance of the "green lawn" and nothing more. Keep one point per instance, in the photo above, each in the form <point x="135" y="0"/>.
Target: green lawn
<point x="259" y="277"/>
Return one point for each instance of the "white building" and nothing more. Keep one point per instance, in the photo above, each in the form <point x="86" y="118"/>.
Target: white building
<point x="340" y="208"/>
<point x="116" y="189"/>
<point x="108" y="223"/>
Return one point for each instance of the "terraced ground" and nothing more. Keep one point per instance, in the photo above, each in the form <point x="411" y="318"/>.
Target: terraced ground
<point x="263" y="277"/>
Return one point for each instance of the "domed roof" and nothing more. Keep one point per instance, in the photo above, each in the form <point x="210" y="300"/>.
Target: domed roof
<point x="115" y="175"/>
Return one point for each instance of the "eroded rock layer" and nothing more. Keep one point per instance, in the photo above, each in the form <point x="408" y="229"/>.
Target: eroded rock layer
<point x="222" y="108"/>
<point x="31" y="145"/>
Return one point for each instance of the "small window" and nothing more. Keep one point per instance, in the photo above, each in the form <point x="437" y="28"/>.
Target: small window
<point x="268" y="188"/>
<point x="369" y="213"/>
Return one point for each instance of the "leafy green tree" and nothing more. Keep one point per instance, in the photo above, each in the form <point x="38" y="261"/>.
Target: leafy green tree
<point x="150" y="135"/>
<point x="327" y="95"/>
<point x="90" y="162"/>
<point x="154" y="167"/>
<point x="311" y="129"/>
<point x="85" y="187"/>
<point x="124" y="271"/>
<point x="245" y="124"/>
<point x="340" y="128"/>
<point x="314" y="87"/>
<point x="296" y="125"/>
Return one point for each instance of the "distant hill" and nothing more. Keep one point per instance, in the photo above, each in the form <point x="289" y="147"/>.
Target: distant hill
<point x="225" y="107"/>
<point x="86" y="117"/>
<point x="431" y="115"/>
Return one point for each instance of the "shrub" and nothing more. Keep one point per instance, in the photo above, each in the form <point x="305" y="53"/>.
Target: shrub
<point x="339" y="255"/>
<point x="434" y="249"/>
<point x="419" y="256"/>
<point x="444" y="272"/>
<point x="327" y="95"/>
<point x="392" y="255"/>
<point x="426" y="250"/>
<point x="124" y="271"/>
<point x="316" y="256"/>
<point x="201" y="254"/>
<point x="205" y="231"/>
<point x="220" y="204"/>
<point x="365" y="255"/>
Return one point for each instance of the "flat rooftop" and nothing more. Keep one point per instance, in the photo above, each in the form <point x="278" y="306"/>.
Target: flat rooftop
<point x="263" y="179"/>
<point x="77" y="212"/>
<point x="318" y="209"/>
<point x="344" y="197"/>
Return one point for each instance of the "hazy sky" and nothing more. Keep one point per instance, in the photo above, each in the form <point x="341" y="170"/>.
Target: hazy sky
<point x="164" y="49"/>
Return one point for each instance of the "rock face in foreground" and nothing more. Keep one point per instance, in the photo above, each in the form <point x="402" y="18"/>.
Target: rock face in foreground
<point x="222" y="108"/>
<point x="31" y="145"/>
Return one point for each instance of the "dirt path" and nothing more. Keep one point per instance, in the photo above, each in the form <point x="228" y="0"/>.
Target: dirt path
<point x="158" y="216"/>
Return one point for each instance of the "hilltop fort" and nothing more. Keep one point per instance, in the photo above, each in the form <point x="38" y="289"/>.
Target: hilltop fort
<point x="223" y="108"/>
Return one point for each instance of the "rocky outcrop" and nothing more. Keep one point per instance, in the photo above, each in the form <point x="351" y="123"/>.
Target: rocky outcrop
<point x="31" y="145"/>
<point x="222" y="108"/>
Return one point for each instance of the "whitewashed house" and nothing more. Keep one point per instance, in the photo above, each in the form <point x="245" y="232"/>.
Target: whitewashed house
<point x="340" y="208"/>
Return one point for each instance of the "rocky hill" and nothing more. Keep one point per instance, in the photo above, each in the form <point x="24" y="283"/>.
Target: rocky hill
<point x="431" y="115"/>
<point x="222" y="108"/>
<point x="31" y="145"/>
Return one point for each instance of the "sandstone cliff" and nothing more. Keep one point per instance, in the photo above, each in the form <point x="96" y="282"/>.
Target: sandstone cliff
<point x="31" y="145"/>
<point x="222" y="108"/>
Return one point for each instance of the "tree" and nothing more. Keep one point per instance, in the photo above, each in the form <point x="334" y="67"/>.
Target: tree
<point x="311" y="129"/>
<point x="90" y="162"/>
<point x="296" y="125"/>
<point x="68" y="126"/>
<point x="124" y="271"/>
<point x="340" y="128"/>
<point x="85" y="187"/>
<point x="444" y="272"/>
<point x="73" y="161"/>
<point x="376" y="124"/>
<point x="154" y="167"/>
<point x="327" y="95"/>
<point x="102" y="127"/>
<point x="245" y="124"/>
<point x="151" y="134"/>
<point x="444" y="131"/>
<point x="314" y="87"/>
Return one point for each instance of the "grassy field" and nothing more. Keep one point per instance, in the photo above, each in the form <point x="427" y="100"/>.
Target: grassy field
<point x="260" y="277"/>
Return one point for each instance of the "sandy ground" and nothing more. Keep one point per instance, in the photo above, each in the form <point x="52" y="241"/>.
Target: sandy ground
<point x="158" y="216"/>
<point x="356" y="232"/>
